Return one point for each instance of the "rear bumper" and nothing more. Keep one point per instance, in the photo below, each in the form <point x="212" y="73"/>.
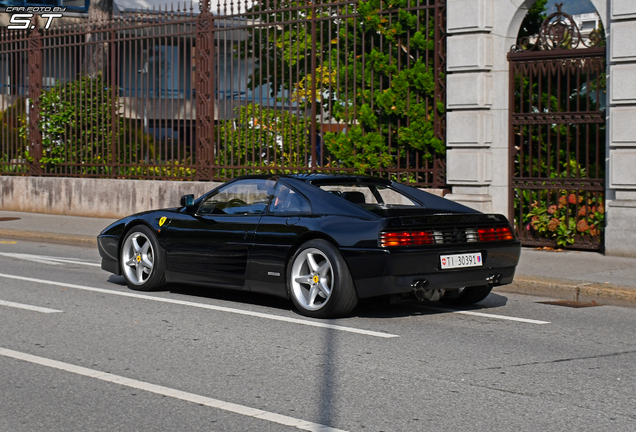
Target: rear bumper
<point x="380" y="272"/>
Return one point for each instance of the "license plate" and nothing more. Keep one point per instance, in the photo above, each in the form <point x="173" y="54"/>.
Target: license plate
<point x="461" y="260"/>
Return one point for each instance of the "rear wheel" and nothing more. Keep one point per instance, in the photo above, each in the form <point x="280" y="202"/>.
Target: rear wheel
<point x="319" y="282"/>
<point x="466" y="296"/>
<point x="141" y="263"/>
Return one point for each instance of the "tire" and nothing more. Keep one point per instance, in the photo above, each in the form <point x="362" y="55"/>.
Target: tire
<point x="141" y="261"/>
<point x="318" y="281"/>
<point x="466" y="296"/>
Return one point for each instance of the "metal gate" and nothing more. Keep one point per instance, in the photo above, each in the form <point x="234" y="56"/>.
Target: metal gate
<point x="557" y="136"/>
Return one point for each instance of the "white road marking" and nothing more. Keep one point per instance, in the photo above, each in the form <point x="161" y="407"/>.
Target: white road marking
<point x="28" y="307"/>
<point x="170" y="392"/>
<point x="42" y="259"/>
<point x="486" y="315"/>
<point x="206" y="306"/>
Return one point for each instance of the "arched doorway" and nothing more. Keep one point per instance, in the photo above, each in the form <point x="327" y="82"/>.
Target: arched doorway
<point x="557" y="134"/>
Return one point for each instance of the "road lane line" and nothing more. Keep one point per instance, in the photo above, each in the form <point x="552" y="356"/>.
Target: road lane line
<point x="43" y="259"/>
<point x="206" y="306"/>
<point x="28" y="307"/>
<point x="170" y="392"/>
<point x="486" y="315"/>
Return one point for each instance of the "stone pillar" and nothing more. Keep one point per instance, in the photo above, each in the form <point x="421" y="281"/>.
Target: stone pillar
<point x="620" y="233"/>
<point x="469" y="99"/>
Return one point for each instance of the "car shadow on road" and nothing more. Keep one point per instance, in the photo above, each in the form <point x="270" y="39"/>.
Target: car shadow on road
<point x="234" y="296"/>
<point x="382" y="308"/>
<point x="379" y="307"/>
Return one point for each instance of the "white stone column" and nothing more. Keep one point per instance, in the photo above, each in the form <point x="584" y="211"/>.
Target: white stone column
<point x="469" y="100"/>
<point x="620" y="233"/>
<point x="481" y="33"/>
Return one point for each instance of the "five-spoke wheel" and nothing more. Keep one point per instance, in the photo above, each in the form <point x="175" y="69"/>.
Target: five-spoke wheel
<point x="141" y="263"/>
<point x="312" y="279"/>
<point x="319" y="282"/>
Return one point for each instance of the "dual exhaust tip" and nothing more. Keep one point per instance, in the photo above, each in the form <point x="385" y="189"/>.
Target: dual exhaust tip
<point x="423" y="293"/>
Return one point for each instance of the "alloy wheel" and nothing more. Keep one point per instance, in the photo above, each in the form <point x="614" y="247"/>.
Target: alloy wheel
<point x="138" y="258"/>
<point x="312" y="279"/>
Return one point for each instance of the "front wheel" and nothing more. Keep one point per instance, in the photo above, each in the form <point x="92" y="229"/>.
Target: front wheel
<point x="319" y="282"/>
<point x="466" y="296"/>
<point x="140" y="260"/>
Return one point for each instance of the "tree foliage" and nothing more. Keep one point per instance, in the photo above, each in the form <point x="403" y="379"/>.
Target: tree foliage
<point x="78" y="129"/>
<point x="373" y="74"/>
<point x="262" y="137"/>
<point x="534" y="18"/>
<point x="12" y="119"/>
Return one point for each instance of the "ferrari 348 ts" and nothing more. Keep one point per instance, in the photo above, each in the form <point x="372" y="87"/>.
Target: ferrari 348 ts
<point x="323" y="241"/>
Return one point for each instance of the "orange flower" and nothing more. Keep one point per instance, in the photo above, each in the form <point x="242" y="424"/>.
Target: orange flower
<point x="552" y="209"/>
<point x="583" y="211"/>
<point x="593" y="231"/>
<point x="553" y="224"/>
<point x="562" y="201"/>
<point x="601" y="209"/>
<point x="582" y="226"/>
<point x="572" y="199"/>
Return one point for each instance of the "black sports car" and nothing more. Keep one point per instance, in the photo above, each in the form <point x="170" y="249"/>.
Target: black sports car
<point x="324" y="241"/>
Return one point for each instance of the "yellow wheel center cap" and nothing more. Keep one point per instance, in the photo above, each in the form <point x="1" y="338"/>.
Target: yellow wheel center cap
<point x="138" y="258"/>
<point x="316" y="279"/>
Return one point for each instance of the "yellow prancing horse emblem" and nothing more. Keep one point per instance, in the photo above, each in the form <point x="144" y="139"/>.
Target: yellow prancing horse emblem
<point x="162" y="221"/>
<point x="316" y="279"/>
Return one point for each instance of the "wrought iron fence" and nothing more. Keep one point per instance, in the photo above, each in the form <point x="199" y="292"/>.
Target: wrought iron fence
<point x="557" y="137"/>
<point x="270" y="87"/>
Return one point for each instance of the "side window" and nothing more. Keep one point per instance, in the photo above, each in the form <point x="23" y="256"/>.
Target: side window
<point x="245" y="197"/>
<point x="287" y="201"/>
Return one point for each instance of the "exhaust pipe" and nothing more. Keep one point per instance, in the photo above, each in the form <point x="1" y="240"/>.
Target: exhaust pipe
<point x="422" y="294"/>
<point x="493" y="279"/>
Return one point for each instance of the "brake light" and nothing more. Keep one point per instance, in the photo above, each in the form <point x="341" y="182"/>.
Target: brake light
<point x="495" y="234"/>
<point x="406" y="238"/>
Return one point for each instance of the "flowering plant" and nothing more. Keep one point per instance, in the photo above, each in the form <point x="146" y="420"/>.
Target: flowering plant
<point x="572" y="215"/>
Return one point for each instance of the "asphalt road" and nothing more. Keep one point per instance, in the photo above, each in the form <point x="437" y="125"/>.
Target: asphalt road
<point x="80" y="351"/>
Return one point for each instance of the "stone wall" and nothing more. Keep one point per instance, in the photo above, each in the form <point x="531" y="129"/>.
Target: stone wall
<point x="93" y="197"/>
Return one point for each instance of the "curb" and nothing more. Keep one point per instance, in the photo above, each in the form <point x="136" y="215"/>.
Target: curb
<point x="604" y="294"/>
<point x="71" y="239"/>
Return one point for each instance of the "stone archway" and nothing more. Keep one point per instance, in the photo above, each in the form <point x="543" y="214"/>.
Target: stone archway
<point x="480" y="34"/>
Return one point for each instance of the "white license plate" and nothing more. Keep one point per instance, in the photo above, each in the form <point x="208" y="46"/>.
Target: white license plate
<point x="461" y="260"/>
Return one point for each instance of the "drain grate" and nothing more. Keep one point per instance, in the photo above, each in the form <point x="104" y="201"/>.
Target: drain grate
<point x="571" y="304"/>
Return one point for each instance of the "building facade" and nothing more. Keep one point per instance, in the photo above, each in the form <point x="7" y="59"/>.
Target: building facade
<point x="481" y="34"/>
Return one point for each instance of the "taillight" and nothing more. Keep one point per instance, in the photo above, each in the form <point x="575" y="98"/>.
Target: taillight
<point x="406" y="238"/>
<point x="495" y="234"/>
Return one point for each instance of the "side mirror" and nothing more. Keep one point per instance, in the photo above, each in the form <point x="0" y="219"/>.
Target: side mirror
<point x="187" y="201"/>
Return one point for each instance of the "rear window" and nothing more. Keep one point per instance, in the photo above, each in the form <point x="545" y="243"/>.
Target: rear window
<point x="370" y="195"/>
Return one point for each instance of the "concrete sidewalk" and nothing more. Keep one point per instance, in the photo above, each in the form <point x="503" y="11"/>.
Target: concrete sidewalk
<point x="571" y="275"/>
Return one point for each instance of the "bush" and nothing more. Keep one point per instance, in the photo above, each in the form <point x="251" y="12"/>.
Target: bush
<point x="572" y="215"/>
<point x="262" y="137"/>
<point x="77" y="126"/>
